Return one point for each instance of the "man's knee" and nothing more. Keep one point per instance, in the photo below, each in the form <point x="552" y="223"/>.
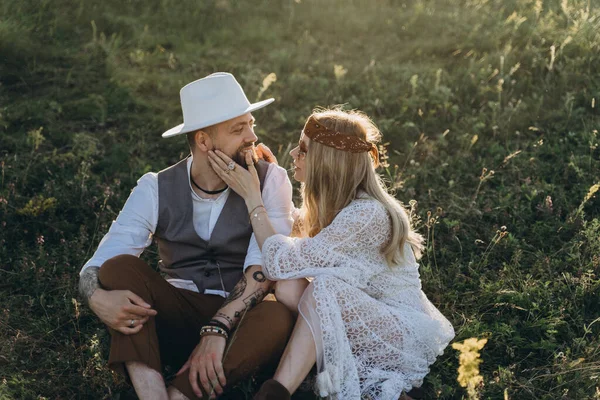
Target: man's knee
<point x="268" y="324"/>
<point x="118" y="272"/>
<point x="259" y="340"/>
<point x="278" y="318"/>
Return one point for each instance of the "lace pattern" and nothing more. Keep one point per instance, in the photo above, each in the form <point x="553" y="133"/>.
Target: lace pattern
<point x="375" y="331"/>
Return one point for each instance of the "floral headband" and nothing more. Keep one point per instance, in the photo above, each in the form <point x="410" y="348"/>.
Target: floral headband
<point x="316" y="131"/>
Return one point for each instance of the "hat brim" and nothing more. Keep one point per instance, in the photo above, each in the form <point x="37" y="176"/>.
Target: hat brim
<point x="182" y="128"/>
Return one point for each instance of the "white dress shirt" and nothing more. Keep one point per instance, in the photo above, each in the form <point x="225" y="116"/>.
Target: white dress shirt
<point x="135" y="225"/>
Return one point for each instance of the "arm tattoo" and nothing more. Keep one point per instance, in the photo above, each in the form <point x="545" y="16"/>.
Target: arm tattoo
<point x="237" y="291"/>
<point x="249" y="301"/>
<point x="226" y="318"/>
<point x="259" y="276"/>
<point x="254" y="298"/>
<point x="88" y="283"/>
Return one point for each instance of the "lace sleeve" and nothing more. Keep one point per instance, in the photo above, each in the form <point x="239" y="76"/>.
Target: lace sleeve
<point x="342" y="249"/>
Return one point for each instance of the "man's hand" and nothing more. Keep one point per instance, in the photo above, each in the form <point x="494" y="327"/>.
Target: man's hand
<point x="206" y="364"/>
<point x="265" y="153"/>
<point x="117" y="308"/>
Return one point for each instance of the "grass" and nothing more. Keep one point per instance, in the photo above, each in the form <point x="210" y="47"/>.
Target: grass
<point x="460" y="88"/>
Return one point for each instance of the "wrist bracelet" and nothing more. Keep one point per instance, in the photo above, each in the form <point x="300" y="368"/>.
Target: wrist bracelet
<point x="217" y="323"/>
<point x="256" y="214"/>
<point x="214" y="334"/>
<point x="213" y="330"/>
<point x="254" y="209"/>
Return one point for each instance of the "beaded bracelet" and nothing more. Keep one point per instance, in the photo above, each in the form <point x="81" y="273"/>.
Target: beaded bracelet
<point x="213" y="329"/>
<point x="212" y="334"/>
<point x="214" y="322"/>
<point x="209" y="330"/>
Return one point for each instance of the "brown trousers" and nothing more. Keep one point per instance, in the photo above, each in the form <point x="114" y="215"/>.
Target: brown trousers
<point x="170" y="337"/>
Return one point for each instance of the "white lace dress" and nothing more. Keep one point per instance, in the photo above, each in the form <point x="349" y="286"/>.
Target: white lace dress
<point x="375" y="331"/>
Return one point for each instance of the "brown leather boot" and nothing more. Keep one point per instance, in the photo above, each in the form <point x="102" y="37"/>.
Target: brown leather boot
<point x="272" y="390"/>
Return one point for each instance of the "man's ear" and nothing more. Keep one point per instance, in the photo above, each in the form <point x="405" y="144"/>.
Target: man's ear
<point x="203" y="140"/>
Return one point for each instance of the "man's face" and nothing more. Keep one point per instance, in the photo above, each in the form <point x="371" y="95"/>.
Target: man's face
<point x="235" y="137"/>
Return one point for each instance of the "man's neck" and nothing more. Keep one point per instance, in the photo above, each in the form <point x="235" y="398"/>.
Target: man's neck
<point x="204" y="176"/>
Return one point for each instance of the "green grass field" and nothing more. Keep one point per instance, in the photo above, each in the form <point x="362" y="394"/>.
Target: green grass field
<point x="490" y="110"/>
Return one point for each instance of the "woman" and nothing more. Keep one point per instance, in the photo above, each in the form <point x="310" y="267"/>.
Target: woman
<point x="364" y="319"/>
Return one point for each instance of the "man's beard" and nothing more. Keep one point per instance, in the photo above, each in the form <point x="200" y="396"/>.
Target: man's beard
<point x="240" y="155"/>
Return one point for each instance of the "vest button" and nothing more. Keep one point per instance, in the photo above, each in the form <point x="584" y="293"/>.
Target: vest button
<point x="207" y="273"/>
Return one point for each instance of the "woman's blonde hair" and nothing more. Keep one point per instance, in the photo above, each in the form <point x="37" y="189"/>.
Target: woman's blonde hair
<point x="334" y="178"/>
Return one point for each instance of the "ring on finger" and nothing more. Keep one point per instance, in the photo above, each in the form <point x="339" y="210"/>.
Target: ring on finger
<point x="132" y="323"/>
<point x="231" y="165"/>
<point x="226" y="171"/>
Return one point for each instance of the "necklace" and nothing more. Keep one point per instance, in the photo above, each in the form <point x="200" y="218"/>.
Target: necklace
<point x="204" y="190"/>
<point x="209" y="191"/>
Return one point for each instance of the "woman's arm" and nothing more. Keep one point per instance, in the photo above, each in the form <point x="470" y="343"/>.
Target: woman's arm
<point x="348" y="248"/>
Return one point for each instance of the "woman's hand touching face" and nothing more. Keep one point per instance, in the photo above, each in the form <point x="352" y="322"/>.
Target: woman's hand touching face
<point x="265" y="153"/>
<point x="243" y="182"/>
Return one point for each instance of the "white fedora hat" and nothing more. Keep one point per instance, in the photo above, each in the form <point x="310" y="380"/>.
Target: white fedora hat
<point x="208" y="101"/>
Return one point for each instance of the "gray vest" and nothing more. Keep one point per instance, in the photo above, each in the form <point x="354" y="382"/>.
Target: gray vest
<point x="185" y="255"/>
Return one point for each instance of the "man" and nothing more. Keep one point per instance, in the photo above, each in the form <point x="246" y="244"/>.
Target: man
<point x="208" y="252"/>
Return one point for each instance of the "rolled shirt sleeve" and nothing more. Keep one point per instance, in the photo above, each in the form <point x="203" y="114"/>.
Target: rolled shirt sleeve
<point x="132" y="231"/>
<point x="277" y="199"/>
